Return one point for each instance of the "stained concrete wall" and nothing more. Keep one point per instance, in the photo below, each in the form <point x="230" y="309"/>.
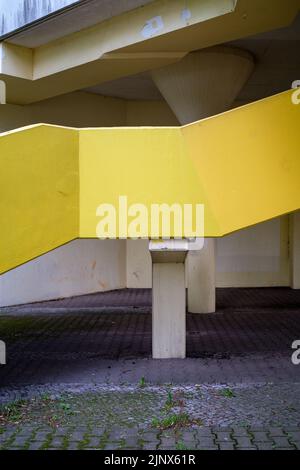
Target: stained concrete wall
<point x="255" y="257"/>
<point x="295" y="249"/>
<point x="81" y="109"/>
<point x="17" y="13"/>
<point x="77" y="268"/>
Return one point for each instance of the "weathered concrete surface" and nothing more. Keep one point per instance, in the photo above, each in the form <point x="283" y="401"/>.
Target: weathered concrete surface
<point x="86" y="379"/>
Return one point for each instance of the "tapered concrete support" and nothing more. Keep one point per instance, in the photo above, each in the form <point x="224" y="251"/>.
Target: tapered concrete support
<point x="168" y="299"/>
<point x="203" y="84"/>
<point x="201" y="279"/>
<point x="295" y="250"/>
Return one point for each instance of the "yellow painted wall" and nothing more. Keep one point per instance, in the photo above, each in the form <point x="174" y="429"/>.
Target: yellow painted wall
<point x="38" y="192"/>
<point x="248" y="161"/>
<point x="148" y="165"/>
<point x="243" y="165"/>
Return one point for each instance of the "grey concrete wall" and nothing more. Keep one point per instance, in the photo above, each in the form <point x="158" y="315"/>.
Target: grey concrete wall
<point x="17" y="13"/>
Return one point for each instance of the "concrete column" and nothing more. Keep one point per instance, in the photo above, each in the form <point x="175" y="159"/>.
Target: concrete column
<point x="295" y="249"/>
<point x="203" y="84"/>
<point x="168" y="299"/>
<point x="201" y="279"/>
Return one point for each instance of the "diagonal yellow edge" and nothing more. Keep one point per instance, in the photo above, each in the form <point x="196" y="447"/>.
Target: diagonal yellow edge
<point x="243" y="165"/>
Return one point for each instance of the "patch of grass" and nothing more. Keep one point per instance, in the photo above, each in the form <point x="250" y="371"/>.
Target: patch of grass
<point x="181" y="446"/>
<point x="227" y="393"/>
<point x="169" y="401"/>
<point x="291" y="408"/>
<point x="174" y="421"/>
<point x="173" y="401"/>
<point x="13" y="412"/>
<point x="66" y="407"/>
<point x="142" y="382"/>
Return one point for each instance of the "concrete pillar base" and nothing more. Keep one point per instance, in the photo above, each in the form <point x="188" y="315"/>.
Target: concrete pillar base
<point x="201" y="279"/>
<point x="168" y="311"/>
<point x="168" y="300"/>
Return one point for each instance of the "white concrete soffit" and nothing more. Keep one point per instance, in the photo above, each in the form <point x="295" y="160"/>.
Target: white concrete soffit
<point x="155" y="35"/>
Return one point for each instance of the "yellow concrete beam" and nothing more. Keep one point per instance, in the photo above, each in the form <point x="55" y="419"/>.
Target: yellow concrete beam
<point x="153" y="36"/>
<point x="243" y="165"/>
<point x="39" y="192"/>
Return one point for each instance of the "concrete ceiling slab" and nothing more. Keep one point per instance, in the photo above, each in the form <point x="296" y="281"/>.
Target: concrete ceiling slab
<point x="82" y="15"/>
<point x="277" y="66"/>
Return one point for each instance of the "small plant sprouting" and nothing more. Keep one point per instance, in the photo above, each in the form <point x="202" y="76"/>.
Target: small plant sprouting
<point x="142" y="382"/>
<point x="227" y="393"/>
<point x="181" y="446"/>
<point x="175" y="421"/>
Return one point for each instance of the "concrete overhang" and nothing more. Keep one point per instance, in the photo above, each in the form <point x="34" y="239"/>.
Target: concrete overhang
<point x="158" y="34"/>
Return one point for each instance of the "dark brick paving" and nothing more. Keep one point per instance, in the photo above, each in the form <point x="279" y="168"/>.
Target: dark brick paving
<point x="53" y="340"/>
<point x="227" y="299"/>
<point x="106" y="338"/>
<point x="204" y="438"/>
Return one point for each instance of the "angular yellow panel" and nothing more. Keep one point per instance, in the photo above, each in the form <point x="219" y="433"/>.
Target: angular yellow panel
<point x="243" y="165"/>
<point x="38" y="192"/>
<point x="248" y="160"/>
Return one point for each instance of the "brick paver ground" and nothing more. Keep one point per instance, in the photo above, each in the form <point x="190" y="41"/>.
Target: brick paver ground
<point x="204" y="438"/>
<point x="106" y="339"/>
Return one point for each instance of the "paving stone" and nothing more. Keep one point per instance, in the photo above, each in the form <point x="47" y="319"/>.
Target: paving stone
<point x="245" y="448"/>
<point x="98" y="432"/>
<point x="150" y="446"/>
<point x="76" y="436"/>
<point x="281" y="442"/>
<point x="260" y="436"/>
<point x="206" y="441"/>
<point x="42" y="436"/>
<point x="241" y="431"/>
<point x="296" y="443"/>
<point x="94" y="442"/>
<point x="20" y="440"/>
<point x="226" y="446"/>
<point x="57" y="442"/>
<point x="205" y="432"/>
<point x="215" y="447"/>
<point x="223" y="436"/>
<point x="276" y="431"/>
<point x="243" y="441"/>
<point x="72" y="446"/>
<point x="294" y="435"/>
<point x="149" y="436"/>
<point x="132" y="443"/>
<point x="167" y="442"/>
<point x="34" y="445"/>
<point x="264" y="445"/>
